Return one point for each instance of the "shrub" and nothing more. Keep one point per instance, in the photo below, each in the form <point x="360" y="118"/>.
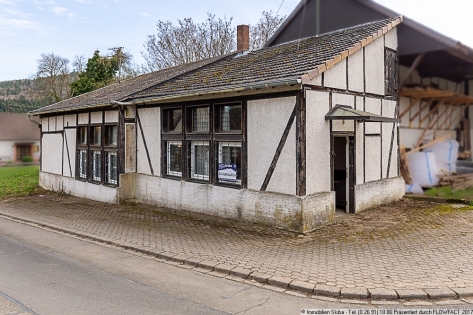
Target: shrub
<point x="27" y="159"/>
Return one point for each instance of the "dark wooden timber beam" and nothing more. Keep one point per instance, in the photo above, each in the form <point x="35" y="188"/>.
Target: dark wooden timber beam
<point x="411" y="69"/>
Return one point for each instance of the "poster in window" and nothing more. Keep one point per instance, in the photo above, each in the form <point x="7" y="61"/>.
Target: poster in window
<point x="227" y="173"/>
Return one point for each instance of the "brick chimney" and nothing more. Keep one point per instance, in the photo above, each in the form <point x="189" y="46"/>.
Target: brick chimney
<point x="243" y="38"/>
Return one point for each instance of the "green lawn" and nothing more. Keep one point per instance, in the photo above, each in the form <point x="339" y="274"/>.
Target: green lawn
<point x="446" y="192"/>
<point x="18" y="180"/>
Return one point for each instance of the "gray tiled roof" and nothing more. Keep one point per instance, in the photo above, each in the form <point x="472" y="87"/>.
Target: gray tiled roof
<point x="119" y="91"/>
<point x="17" y="127"/>
<point x="288" y="60"/>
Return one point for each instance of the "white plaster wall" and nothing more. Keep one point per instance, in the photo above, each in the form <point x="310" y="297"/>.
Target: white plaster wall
<point x="45" y="124"/>
<point x="59" y="123"/>
<point x="378" y="193"/>
<point x="359" y="103"/>
<point x="389" y="108"/>
<point x="267" y="120"/>
<point x="343" y="99"/>
<point x="151" y="123"/>
<point x="70" y="120"/>
<point x="355" y="72"/>
<point x="343" y="125"/>
<point x="374" y="67"/>
<point x="78" y="188"/>
<point x="317" y="81"/>
<point x="96" y="117"/>
<point x="51" y="153"/>
<point x="391" y="39"/>
<point x="373" y="158"/>
<point x="317" y="142"/>
<point x="360" y="157"/>
<point x="266" y="207"/>
<point x="424" y="113"/>
<point x="6" y="151"/>
<point x="83" y="119"/>
<point x="111" y="116"/>
<point x="373" y="105"/>
<point x="52" y="123"/>
<point x="69" y="153"/>
<point x="336" y="77"/>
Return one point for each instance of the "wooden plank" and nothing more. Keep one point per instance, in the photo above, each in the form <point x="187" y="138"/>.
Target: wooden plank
<point x="419" y="141"/>
<point x="462" y="109"/>
<point x="412" y="69"/>
<point x="279" y="149"/>
<point x="301" y="145"/>
<point x="422" y="107"/>
<point x="431" y="112"/>
<point x="404" y="167"/>
<point x="429" y="144"/>
<point x="411" y="104"/>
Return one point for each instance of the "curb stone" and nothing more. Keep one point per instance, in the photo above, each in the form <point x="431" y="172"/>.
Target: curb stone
<point x="260" y="277"/>
<point x="302" y="286"/>
<point x="463" y="292"/>
<point x="354" y="293"/>
<point x="224" y="268"/>
<point x="281" y="282"/>
<point x="327" y="290"/>
<point x="412" y="294"/>
<point x="441" y="293"/>
<point x="383" y="294"/>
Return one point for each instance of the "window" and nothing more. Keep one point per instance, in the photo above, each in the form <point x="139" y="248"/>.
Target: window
<point x="229" y="162"/>
<point x="210" y="147"/>
<point x="97" y="159"/>
<point x="173" y="154"/>
<point x="172" y="120"/>
<point x="391" y="72"/>
<point x="200" y="159"/>
<point x="229" y="119"/>
<point x="200" y="119"/>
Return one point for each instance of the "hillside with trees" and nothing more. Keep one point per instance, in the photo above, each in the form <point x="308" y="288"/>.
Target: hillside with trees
<point x="16" y="96"/>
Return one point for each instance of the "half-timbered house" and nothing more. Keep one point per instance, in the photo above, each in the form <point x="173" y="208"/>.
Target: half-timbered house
<point x="281" y="135"/>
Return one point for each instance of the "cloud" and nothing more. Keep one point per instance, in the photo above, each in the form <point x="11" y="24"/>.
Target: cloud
<point x="15" y="12"/>
<point x="81" y="1"/>
<point x="9" y="26"/>
<point x="61" y="11"/>
<point x="6" y="2"/>
<point x="145" y="14"/>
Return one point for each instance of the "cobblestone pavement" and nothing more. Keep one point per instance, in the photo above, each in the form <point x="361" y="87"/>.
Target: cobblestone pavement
<point x="407" y="246"/>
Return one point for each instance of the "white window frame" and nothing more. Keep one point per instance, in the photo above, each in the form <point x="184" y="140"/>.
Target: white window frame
<point x="169" y="157"/>
<point x="193" y="156"/>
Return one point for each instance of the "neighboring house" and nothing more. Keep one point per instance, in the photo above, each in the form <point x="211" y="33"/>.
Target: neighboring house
<point x="278" y="135"/>
<point x="436" y="72"/>
<point x="19" y="137"/>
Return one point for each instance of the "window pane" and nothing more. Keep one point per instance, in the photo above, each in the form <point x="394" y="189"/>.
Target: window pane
<point x="82" y="135"/>
<point x="82" y="163"/>
<point x="96" y="167"/>
<point x="229" y="162"/>
<point x="111" y="135"/>
<point x="173" y="158"/>
<point x="111" y="168"/>
<point x="96" y="135"/>
<point x="200" y="119"/>
<point x="230" y="118"/>
<point x="199" y="160"/>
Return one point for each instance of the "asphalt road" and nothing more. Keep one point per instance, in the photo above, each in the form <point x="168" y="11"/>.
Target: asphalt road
<point x="43" y="272"/>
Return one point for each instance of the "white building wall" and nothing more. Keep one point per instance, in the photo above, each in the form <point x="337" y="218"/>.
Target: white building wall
<point x="267" y="120"/>
<point x="96" y="117"/>
<point x="390" y="39"/>
<point x="6" y="151"/>
<point x="373" y="105"/>
<point x="52" y="123"/>
<point x="377" y="193"/>
<point x="111" y="116"/>
<point x="83" y="119"/>
<point x="374" y="67"/>
<point x="150" y="121"/>
<point x="78" y="188"/>
<point x="45" y="124"/>
<point x="355" y="72"/>
<point x="317" y="143"/>
<point x="51" y="153"/>
<point x="373" y="158"/>
<point x="69" y="153"/>
<point x="336" y="77"/>
<point x="70" y="120"/>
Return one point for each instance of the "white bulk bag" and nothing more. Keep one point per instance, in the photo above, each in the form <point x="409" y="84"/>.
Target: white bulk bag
<point x="446" y="152"/>
<point x="414" y="189"/>
<point x="423" y="168"/>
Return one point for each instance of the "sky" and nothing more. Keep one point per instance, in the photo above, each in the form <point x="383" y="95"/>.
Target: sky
<point x="68" y="28"/>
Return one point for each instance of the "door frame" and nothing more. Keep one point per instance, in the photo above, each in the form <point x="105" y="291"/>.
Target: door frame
<point x="350" y="164"/>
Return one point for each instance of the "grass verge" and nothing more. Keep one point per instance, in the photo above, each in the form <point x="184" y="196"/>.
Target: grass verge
<point x="446" y="192"/>
<point x="18" y="180"/>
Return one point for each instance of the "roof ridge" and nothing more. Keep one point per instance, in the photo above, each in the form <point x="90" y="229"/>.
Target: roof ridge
<point x="319" y="69"/>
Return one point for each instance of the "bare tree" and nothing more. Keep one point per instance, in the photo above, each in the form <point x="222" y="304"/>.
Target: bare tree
<point x="52" y="78"/>
<point x="188" y="42"/>
<point x="79" y="63"/>
<point x="264" y="29"/>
